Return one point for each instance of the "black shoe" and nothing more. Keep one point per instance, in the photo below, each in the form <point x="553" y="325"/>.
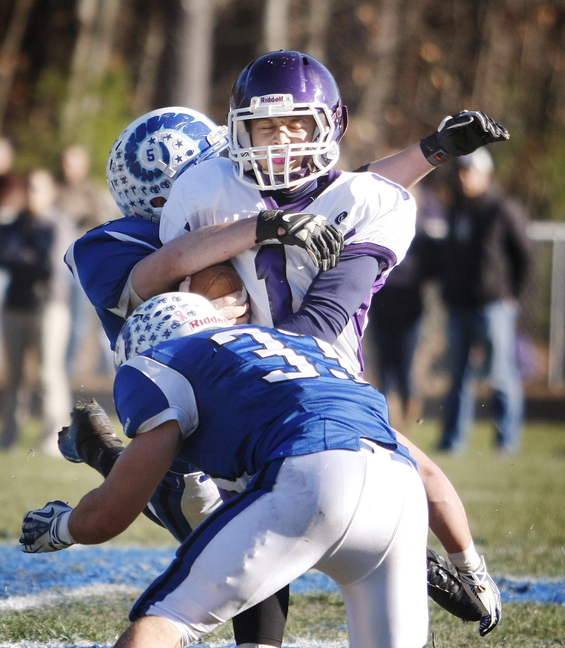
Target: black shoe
<point x="90" y="438"/>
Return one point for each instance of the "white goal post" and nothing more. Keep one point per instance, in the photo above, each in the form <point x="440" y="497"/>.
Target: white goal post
<point x="554" y="233"/>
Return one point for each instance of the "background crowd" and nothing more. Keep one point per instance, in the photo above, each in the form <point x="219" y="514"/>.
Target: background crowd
<point x="472" y="242"/>
<point x="50" y="333"/>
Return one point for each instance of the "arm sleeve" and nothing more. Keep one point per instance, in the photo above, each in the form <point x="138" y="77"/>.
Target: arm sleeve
<point x="335" y="296"/>
<point x="102" y="262"/>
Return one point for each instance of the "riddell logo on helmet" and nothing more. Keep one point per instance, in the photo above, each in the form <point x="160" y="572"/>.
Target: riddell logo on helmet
<point x="271" y="99"/>
<point x="281" y="101"/>
<point x="206" y="321"/>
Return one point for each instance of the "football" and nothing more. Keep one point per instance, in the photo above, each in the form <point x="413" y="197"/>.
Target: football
<point x="215" y="281"/>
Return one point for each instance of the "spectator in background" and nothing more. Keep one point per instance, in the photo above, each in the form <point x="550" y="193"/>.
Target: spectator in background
<point x="36" y="310"/>
<point x="89" y="205"/>
<point x="80" y="196"/>
<point x="12" y="186"/>
<point x="396" y="310"/>
<point x="485" y="265"/>
<point x="12" y="200"/>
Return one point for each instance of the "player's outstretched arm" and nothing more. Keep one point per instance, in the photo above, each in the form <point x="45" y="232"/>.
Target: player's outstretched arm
<point x="106" y="511"/>
<point x="457" y="135"/>
<point x="406" y="168"/>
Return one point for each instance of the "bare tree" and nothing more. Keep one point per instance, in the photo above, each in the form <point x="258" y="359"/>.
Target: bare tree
<point x="196" y="46"/>
<point x="97" y="20"/>
<point x="318" y="24"/>
<point x="382" y="47"/>
<point x="10" y="52"/>
<point x="153" y="47"/>
<point x="276" y="25"/>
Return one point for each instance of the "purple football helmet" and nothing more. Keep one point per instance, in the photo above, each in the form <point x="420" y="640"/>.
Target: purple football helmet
<point x="285" y="84"/>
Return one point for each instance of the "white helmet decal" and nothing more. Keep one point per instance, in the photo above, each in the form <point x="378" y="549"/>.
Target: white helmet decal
<point x="162" y="318"/>
<point x="153" y="151"/>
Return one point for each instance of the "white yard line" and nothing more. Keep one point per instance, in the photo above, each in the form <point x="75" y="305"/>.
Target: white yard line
<point x="18" y="603"/>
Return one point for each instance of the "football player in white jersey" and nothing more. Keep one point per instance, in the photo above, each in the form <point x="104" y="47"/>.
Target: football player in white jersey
<point x="475" y="127"/>
<point x="285" y="123"/>
<point x="144" y="162"/>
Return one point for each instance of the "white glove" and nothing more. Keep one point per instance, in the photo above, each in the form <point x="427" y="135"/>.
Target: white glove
<point x="47" y="529"/>
<point x="483" y="590"/>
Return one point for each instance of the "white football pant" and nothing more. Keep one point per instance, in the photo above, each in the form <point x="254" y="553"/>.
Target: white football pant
<point x="359" y="517"/>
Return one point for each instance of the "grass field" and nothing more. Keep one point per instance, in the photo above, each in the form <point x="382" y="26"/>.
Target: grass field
<point x="515" y="508"/>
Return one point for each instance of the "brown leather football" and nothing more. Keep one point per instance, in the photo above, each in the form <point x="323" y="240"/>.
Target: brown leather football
<point x="215" y="281"/>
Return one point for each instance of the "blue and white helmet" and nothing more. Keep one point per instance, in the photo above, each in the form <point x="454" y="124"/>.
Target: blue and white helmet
<point x="153" y="151"/>
<point x="165" y="317"/>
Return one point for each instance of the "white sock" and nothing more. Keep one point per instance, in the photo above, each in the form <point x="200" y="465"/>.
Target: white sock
<point x="466" y="561"/>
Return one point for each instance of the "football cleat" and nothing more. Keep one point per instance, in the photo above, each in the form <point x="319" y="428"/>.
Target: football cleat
<point x="90" y="438"/>
<point x="446" y="589"/>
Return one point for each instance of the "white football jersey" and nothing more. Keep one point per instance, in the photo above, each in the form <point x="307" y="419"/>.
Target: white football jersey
<point x="376" y="217"/>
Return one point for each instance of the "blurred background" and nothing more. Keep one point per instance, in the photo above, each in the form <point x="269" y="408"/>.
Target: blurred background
<point x="74" y="73"/>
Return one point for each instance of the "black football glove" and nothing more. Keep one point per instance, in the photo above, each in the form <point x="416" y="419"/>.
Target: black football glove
<point x="322" y="240"/>
<point x="460" y="135"/>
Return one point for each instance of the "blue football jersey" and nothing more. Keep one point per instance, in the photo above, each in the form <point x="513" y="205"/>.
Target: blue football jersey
<point x="247" y="395"/>
<point x="102" y="268"/>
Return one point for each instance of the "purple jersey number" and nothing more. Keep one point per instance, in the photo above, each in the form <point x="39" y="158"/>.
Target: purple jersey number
<point x="270" y="267"/>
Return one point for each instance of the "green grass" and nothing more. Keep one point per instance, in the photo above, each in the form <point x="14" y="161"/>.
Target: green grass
<point x="515" y="509"/>
<point x="313" y="618"/>
<point x="97" y="619"/>
<point x="514" y="505"/>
